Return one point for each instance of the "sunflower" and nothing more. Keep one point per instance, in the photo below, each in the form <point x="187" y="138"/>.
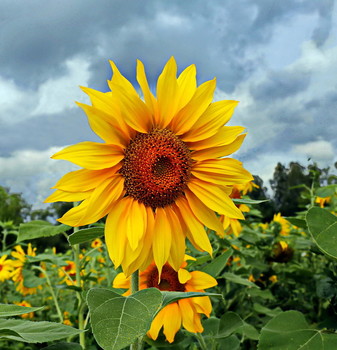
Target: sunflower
<point x="185" y="312"/>
<point x="17" y="275"/>
<point x="6" y="268"/>
<point x="161" y="173"/>
<point x="285" y="225"/>
<point x="322" y="201"/>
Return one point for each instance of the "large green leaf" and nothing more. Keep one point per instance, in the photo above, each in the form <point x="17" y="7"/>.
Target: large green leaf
<point x="35" y="332"/>
<point x="290" y="331"/>
<point x="86" y="235"/>
<point x="326" y="191"/>
<point x="39" y="228"/>
<point x="323" y="229"/>
<point x="118" y="321"/>
<point x="170" y="297"/>
<point x="9" y="310"/>
<point x="215" y="267"/>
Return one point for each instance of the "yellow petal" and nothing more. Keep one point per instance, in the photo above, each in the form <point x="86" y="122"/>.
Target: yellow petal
<point x="167" y="93"/>
<point x="121" y="281"/>
<point x="172" y="321"/>
<point x="187" y="85"/>
<point x="106" y="127"/>
<point x="221" y="179"/>
<point x="120" y="81"/>
<point x="186" y="117"/>
<point x="63" y="196"/>
<point x="201" y="280"/>
<point x="202" y="305"/>
<point x="157" y="324"/>
<point x="224" y="136"/>
<point x="84" y="180"/>
<point x="203" y="213"/>
<point x="97" y="205"/>
<point x="150" y="100"/>
<point x="177" y="251"/>
<point x="221" y="151"/>
<point x="187" y="313"/>
<point x="184" y="276"/>
<point x="91" y="155"/>
<point x="215" y="116"/>
<point x="215" y="197"/>
<point x="162" y="239"/>
<point x="136" y="226"/>
<point x="195" y="227"/>
<point x="105" y="102"/>
<point x="115" y="230"/>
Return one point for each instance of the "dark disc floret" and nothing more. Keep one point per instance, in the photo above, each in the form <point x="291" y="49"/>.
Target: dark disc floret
<point x="168" y="280"/>
<point x="156" y="168"/>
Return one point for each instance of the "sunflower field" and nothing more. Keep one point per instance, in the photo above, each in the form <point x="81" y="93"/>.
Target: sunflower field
<point x="162" y="240"/>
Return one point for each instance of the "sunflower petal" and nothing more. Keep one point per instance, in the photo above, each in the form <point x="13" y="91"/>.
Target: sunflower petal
<point x="195" y="227"/>
<point x="201" y="280"/>
<point x="215" y="197"/>
<point x="91" y="155"/>
<point x="119" y="80"/>
<point x="187" y="313"/>
<point x="157" y="324"/>
<point x="203" y="213"/>
<point x="203" y="305"/>
<point x="172" y="322"/>
<point x="184" y="276"/>
<point x="221" y="151"/>
<point x="63" y="196"/>
<point x="202" y="98"/>
<point x="225" y="136"/>
<point x="136" y="226"/>
<point x="162" y="239"/>
<point x="187" y="85"/>
<point x="84" y="180"/>
<point x="168" y="93"/>
<point x="215" y="116"/>
<point x="106" y="127"/>
<point x="115" y="230"/>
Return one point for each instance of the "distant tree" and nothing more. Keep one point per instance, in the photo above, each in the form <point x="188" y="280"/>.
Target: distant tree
<point x="12" y="206"/>
<point x="267" y="209"/>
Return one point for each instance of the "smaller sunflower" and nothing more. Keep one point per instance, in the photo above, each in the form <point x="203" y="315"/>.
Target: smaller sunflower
<point x="68" y="273"/>
<point x="184" y="312"/>
<point x="6" y="268"/>
<point x="17" y="275"/>
<point x="285" y="224"/>
<point x="322" y="201"/>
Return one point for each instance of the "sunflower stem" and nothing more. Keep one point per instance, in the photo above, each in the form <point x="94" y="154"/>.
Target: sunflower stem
<point x="137" y="345"/>
<point x="76" y="252"/>
<point x="201" y="341"/>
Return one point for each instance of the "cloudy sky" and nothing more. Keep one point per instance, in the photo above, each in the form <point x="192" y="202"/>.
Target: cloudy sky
<point x="279" y="58"/>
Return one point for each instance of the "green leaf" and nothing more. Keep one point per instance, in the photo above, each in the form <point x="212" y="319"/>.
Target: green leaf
<point x="57" y="260"/>
<point x="9" y="310"/>
<point x="229" y="323"/>
<point x="237" y="279"/>
<point x="30" y="280"/>
<point x="249" y="201"/>
<point x="86" y="235"/>
<point x="231" y="343"/>
<point x="215" y="267"/>
<point x="118" y="321"/>
<point x="170" y="297"/>
<point x="39" y="228"/>
<point x="35" y="332"/>
<point x="290" y="331"/>
<point x="323" y="229"/>
<point x="64" y="346"/>
<point x="326" y="191"/>
<point x="266" y="311"/>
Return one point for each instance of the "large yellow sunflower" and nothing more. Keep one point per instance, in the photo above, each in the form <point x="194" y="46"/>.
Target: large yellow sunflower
<point x="6" y="268"/>
<point x="160" y="174"/>
<point x="184" y="312"/>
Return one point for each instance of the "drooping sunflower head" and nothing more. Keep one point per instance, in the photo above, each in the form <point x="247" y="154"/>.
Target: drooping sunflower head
<point x="162" y="170"/>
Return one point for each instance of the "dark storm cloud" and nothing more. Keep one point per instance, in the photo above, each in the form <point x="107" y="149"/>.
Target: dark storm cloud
<point x="280" y="84"/>
<point x="44" y="131"/>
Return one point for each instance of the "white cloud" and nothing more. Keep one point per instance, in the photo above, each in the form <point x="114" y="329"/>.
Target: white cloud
<point x="33" y="173"/>
<point x="320" y="151"/>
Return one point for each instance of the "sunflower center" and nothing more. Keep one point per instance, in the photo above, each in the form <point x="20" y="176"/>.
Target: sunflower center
<point x="157" y="167"/>
<point x="168" y="280"/>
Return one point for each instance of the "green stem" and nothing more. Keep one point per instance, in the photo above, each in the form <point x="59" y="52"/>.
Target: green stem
<point x="59" y="312"/>
<point x="201" y="341"/>
<point x="137" y="345"/>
